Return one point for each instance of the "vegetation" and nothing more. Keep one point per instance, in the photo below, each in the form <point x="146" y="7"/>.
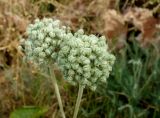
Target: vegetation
<point x="133" y="32"/>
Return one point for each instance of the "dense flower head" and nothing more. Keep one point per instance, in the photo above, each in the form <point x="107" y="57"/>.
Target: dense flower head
<point x="43" y="40"/>
<point x="85" y="59"/>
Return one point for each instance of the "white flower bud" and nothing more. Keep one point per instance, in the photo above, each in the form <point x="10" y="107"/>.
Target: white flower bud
<point x="92" y="57"/>
<point x="22" y="40"/>
<point x="36" y="20"/>
<point x="87" y="75"/>
<point x="87" y="68"/>
<point x="42" y="54"/>
<point x="38" y="50"/>
<point x="28" y="43"/>
<point x="75" y="66"/>
<point x="54" y="55"/>
<point x="65" y="49"/>
<point x="34" y="34"/>
<point x="67" y="66"/>
<point x="86" y="61"/>
<point x="98" y="73"/>
<point x="40" y="36"/>
<point x="85" y="81"/>
<point x="54" y="43"/>
<point x="52" y="34"/>
<point x="44" y="46"/>
<point x="20" y="48"/>
<point x="48" y="40"/>
<point x="79" y="70"/>
<point x="103" y="79"/>
<point x="73" y="52"/>
<point x="93" y="88"/>
<point x="71" y="72"/>
<point x="71" y="59"/>
<point x="80" y="31"/>
<point x="48" y="52"/>
<point x="56" y="23"/>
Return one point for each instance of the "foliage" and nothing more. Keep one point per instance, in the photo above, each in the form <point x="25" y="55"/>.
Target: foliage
<point x="28" y="112"/>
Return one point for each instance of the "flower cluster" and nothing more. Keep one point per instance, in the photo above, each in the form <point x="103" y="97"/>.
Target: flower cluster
<point x="85" y="59"/>
<point x="44" y="38"/>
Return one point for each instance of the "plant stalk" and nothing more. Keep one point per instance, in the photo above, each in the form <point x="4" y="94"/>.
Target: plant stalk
<point x="80" y="93"/>
<point x="54" y="82"/>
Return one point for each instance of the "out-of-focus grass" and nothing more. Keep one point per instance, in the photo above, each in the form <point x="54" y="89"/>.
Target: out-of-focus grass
<point x="133" y="87"/>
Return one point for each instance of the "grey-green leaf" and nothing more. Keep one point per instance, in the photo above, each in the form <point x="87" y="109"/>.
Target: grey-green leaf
<point x="29" y="112"/>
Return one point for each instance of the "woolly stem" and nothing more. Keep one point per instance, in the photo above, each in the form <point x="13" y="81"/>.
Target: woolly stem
<point x="80" y="93"/>
<point x="54" y="82"/>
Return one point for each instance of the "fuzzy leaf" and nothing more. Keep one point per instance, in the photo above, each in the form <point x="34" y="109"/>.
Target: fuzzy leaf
<point x="28" y="112"/>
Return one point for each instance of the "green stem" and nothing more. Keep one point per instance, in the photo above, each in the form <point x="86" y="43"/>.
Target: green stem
<point x="80" y="93"/>
<point x="54" y="82"/>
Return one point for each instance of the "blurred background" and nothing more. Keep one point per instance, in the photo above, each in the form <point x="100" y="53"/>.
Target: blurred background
<point x="132" y="29"/>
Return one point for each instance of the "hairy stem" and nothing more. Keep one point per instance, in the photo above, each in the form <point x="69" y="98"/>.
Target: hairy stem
<point x="54" y="82"/>
<point x="80" y="93"/>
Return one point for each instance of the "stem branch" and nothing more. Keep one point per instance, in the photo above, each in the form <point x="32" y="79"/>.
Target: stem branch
<point x="80" y="93"/>
<point x="54" y="82"/>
